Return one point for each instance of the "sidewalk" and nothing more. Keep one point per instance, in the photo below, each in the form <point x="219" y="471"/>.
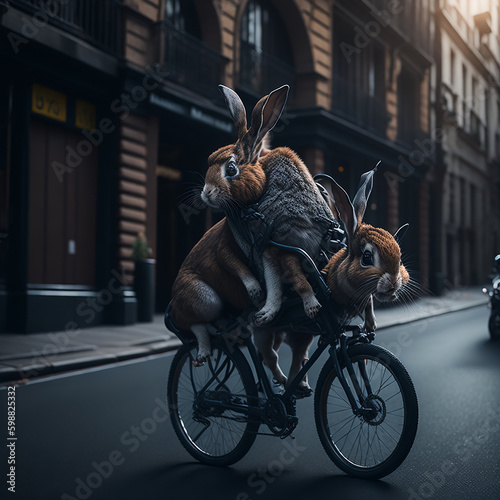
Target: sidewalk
<point x="24" y="357"/>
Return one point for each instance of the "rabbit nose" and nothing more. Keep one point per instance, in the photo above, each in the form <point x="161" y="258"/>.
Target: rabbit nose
<point x="209" y="189"/>
<point x="396" y="284"/>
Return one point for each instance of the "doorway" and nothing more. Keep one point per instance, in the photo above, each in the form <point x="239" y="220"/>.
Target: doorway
<point x="62" y="210"/>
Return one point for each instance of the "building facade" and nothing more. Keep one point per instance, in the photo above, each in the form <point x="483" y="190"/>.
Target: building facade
<point x="110" y="110"/>
<point x="469" y="118"/>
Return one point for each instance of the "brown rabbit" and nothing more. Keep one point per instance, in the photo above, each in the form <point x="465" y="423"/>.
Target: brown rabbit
<point x="369" y="266"/>
<point x="212" y="277"/>
<point x="286" y="196"/>
<point x="237" y="177"/>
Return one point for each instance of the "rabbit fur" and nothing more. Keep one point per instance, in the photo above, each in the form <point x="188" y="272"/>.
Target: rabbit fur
<point x="370" y="266"/>
<point x="199" y="295"/>
<point x="214" y="279"/>
<point x="288" y="198"/>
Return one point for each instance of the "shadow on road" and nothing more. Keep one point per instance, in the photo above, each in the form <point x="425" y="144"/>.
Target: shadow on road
<point x="483" y="353"/>
<point x="192" y="480"/>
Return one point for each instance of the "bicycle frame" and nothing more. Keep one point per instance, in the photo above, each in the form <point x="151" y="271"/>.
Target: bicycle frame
<point x="325" y="325"/>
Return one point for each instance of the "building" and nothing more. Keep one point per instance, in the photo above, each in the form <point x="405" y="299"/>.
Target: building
<point x="110" y="109"/>
<point x="467" y="177"/>
<point x="61" y="69"/>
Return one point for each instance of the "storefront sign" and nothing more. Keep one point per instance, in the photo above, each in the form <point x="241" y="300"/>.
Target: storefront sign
<point x="199" y="115"/>
<point x="193" y="112"/>
<point x="48" y="102"/>
<point x="85" y="115"/>
<point x="173" y="174"/>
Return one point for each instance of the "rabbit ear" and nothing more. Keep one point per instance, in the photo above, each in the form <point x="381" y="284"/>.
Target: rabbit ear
<point x="324" y="181"/>
<point x="399" y="234"/>
<point x="265" y="116"/>
<point x="364" y="190"/>
<point x="341" y="202"/>
<point x="236" y="108"/>
<point x="326" y="195"/>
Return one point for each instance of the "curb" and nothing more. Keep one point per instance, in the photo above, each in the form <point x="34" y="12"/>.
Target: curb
<point x="432" y="315"/>
<point x="15" y="374"/>
<point x="12" y="373"/>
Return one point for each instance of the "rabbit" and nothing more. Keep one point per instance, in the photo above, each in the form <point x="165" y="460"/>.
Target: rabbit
<point x="369" y="266"/>
<point x="198" y="296"/>
<point x="286" y="196"/>
<point x="212" y="278"/>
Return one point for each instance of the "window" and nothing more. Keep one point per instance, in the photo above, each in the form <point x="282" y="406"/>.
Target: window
<point x="474" y="91"/>
<point x="266" y="60"/>
<point x="5" y="117"/>
<point x="452" y="67"/>
<point x="181" y="14"/>
<point x="358" y="79"/>
<point x="186" y="58"/>
<point x="463" y="202"/>
<point x="408" y="106"/>
<point x="464" y="96"/>
<point x="451" y="217"/>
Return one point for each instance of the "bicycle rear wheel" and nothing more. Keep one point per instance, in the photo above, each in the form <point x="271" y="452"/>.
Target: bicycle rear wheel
<point x="373" y="445"/>
<point x="212" y="435"/>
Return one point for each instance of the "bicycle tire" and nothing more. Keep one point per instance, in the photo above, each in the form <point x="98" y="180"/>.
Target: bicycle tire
<point x="211" y="438"/>
<point x="334" y="416"/>
<point x="494" y="326"/>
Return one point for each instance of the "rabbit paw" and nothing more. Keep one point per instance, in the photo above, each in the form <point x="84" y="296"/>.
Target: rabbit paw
<point x="370" y="325"/>
<point x="201" y="357"/>
<point x="254" y="289"/>
<point x="311" y="306"/>
<point x="303" y="390"/>
<point x="264" y="316"/>
<point x="255" y="292"/>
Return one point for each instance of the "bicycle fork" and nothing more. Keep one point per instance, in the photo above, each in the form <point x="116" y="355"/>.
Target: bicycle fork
<point x="358" y="409"/>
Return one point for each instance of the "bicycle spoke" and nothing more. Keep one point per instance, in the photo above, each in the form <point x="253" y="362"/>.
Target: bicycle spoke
<point x="211" y="430"/>
<point x="366" y="440"/>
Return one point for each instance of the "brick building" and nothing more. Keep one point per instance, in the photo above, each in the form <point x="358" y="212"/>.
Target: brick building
<point x="110" y="110"/>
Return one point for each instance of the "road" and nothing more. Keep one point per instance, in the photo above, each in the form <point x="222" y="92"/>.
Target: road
<point x="104" y="434"/>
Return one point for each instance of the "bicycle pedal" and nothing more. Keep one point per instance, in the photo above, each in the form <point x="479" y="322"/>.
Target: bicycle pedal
<point x="197" y="364"/>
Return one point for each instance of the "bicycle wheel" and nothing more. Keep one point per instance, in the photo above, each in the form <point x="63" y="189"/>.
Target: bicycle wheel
<point x="373" y="445"/>
<point x="494" y="326"/>
<point x="212" y="435"/>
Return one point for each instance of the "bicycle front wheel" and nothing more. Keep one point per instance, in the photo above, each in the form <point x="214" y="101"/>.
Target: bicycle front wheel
<point x="213" y="434"/>
<point x="375" y="444"/>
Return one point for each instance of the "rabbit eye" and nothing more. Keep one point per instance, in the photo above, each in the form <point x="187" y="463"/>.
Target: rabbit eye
<point x="367" y="259"/>
<point x="231" y="169"/>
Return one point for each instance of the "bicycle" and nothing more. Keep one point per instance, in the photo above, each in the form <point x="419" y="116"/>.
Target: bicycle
<point x="365" y="405"/>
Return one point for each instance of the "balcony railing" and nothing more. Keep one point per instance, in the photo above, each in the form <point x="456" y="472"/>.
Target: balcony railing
<point x="190" y="62"/>
<point x="413" y="19"/>
<point x="363" y="110"/>
<point x="98" y="22"/>
<point x="260" y="72"/>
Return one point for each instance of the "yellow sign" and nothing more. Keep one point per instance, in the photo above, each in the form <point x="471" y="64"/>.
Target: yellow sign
<point x="169" y="173"/>
<point x="48" y="102"/>
<point x="84" y="114"/>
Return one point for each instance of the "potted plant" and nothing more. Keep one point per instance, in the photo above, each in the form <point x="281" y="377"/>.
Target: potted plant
<point x="144" y="285"/>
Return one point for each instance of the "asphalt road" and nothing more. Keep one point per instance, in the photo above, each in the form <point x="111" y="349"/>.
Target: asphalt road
<point x="104" y="434"/>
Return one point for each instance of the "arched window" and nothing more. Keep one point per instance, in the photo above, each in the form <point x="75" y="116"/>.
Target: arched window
<point x="181" y="14"/>
<point x="187" y="59"/>
<point x="266" y="60"/>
